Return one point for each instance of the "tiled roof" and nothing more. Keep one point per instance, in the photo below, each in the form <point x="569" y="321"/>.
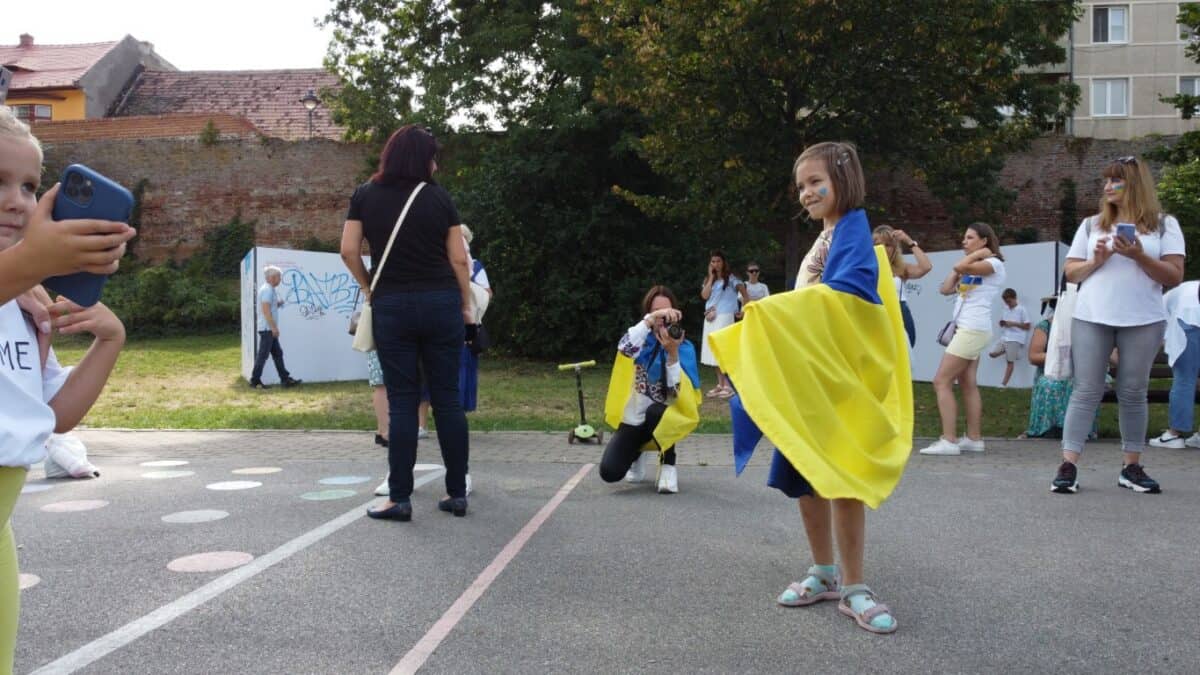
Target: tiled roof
<point x="40" y="66"/>
<point x="270" y="99"/>
<point x="151" y="126"/>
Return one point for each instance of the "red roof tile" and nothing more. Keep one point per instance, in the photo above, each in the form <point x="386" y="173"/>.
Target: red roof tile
<point x="40" y="66"/>
<point x="152" y="126"/>
<point x="270" y="99"/>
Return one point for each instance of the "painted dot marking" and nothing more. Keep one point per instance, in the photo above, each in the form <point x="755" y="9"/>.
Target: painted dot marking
<point x="189" y="517"/>
<point x="160" y="475"/>
<point x="31" y="488"/>
<point x="327" y="495"/>
<point x="25" y="581"/>
<point x="163" y="463"/>
<point x="214" y="561"/>
<point x="257" y="471"/>
<point x="234" y="485"/>
<point x="344" y="480"/>
<point x="77" y="505"/>
<point x="426" y="467"/>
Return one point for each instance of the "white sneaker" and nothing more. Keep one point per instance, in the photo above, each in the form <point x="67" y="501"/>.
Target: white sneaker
<point x="1168" y="440"/>
<point x="468" y="492"/>
<point x="637" y="472"/>
<point x="1193" y="441"/>
<point x="668" y="480"/>
<point x="969" y="445"/>
<point x="942" y="447"/>
<point x="383" y="490"/>
<point x="422" y="432"/>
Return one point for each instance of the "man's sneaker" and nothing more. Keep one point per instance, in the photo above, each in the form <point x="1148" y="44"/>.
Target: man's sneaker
<point x="383" y="490"/>
<point x="422" y="432"/>
<point x="1066" y="482"/>
<point x="637" y="472"/>
<point x="291" y="382"/>
<point x="668" y="480"/>
<point x="257" y="384"/>
<point x="1168" y="440"/>
<point x="468" y="491"/>
<point x="967" y="445"/>
<point x="942" y="447"/>
<point x="1193" y="441"/>
<point x="1134" y="477"/>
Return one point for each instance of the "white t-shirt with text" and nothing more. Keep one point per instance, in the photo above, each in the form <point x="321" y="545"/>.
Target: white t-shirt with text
<point x="26" y="387"/>
<point x="1119" y="292"/>
<point x="976" y="295"/>
<point x="1014" y="333"/>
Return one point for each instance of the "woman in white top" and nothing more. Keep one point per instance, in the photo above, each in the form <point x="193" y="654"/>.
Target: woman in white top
<point x="721" y="292"/>
<point x="1119" y="304"/>
<point x="891" y="240"/>
<point x="977" y="279"/>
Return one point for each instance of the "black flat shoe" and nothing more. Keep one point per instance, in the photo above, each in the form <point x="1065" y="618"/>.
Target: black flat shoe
<point x="401" y="512"/>
<point x="380" y="440"/>
<point x="291" y="382"/>
<point x="259" y="385"/>
<point x="455" y="505"/>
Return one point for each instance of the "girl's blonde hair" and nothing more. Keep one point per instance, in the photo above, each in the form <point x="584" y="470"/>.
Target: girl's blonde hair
<point x="1141" y="201"/>
<point x="11" y="127"/>
<point x="844" y="169"/>
<point x="885" y="236"/>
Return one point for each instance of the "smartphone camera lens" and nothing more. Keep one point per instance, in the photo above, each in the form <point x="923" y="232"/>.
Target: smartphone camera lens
<point x="72" y="190"/>
<point x="86" y="192"/>
<point x="74" y="179"/>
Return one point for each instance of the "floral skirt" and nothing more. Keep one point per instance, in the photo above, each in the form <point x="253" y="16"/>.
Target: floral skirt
<point x="1048" y="408"/>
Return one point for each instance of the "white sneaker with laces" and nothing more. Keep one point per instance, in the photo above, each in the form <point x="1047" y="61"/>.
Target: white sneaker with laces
<point x="668" y="480"/>
<point x="468" y="492"/>
<point x="383" y="490"/>
<point x="966" y="444"/>
<point x="1168" y="440"/>
<point x="942" y="447"/>
<point x="1193" y="441"/>
<point x="637" y="472"/>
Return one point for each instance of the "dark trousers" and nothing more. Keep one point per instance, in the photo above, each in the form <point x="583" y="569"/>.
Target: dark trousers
<point x="413" y="331"/>
<point x="910" y="327"/>
<point x="625" y="445"/>
<point x="268" y="345"/>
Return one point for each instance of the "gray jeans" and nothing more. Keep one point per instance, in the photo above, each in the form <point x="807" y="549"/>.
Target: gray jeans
<point x="1091" y="344"/>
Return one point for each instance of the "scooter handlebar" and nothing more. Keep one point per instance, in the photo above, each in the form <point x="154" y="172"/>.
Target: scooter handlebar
<point x="577" y="366"/>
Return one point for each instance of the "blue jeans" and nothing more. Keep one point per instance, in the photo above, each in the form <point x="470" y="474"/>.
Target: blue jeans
<point x="425" y="328"/>
<point x="1181" y="410"/>
<point x="910" y="327"/>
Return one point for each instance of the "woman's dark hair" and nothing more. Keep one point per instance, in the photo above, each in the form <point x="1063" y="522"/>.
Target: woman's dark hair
<point x="407" y="156"/>
<point x="726" y="270"/>
<point x="658" y="291"/>
<point x="988" y="235"/>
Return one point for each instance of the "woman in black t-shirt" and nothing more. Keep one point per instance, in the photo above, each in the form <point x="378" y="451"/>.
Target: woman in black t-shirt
<point x="420" y="307"/>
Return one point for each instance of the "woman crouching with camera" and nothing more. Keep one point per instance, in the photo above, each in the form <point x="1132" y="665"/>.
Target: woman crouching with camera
<point x="653" y="395"/>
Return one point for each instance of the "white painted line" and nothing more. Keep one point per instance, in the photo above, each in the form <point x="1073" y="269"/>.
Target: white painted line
<point x="416" y="657"/>
<point x="107" y="644"/>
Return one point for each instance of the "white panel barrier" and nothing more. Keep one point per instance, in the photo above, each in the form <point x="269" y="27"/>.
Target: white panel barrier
<point x="1033" y="272"/>
<point x="319" y="295"/>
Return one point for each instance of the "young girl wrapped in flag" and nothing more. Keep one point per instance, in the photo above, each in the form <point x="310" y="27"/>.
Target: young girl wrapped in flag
<point x="823" y="372"/>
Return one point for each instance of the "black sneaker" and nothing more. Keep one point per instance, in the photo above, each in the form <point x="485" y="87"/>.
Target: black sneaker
<point x="254" y="384"/>
<point x="291" y="382"/>
<point x="1134" y="477"/>
<point x="1065" y="482"/>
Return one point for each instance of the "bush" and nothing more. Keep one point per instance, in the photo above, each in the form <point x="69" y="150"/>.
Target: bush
<point x="1179" y="191"/>
<point x="162" y="300"/>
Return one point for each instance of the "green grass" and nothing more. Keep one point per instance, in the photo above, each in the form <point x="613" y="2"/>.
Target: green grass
<point x="194" y="383"/>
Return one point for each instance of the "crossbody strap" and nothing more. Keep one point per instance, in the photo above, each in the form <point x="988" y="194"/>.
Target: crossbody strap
<point x="392" y="239"/>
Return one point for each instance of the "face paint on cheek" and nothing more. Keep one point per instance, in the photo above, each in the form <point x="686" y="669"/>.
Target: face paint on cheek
<point x="824" y="192"/>
<point x="1118" y="187"/>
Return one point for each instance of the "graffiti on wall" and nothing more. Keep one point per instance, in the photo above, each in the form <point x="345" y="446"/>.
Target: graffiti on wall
<point x="318" y="294"/>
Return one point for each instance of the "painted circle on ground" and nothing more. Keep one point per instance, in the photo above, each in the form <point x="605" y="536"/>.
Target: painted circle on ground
<point x="327" y="495"/>
<point x="77" y="505"/>
<point x="162" y="463"/>
<point x="257" y="471"/>
<point x="31" y="488"/>
<point x="201" y="516"/>
<point x="426" y="467"/>
<point x="213" y="561"/>
<point x="27" y="580"/>
<point x="160" y="475"/>
<point x="344" y="480"/>
<point x="234" y="485"/>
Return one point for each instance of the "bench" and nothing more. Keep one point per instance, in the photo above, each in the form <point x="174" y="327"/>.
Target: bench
<point x="1159" y="371"/>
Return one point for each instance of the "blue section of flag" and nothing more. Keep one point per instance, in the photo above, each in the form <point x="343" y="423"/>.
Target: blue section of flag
<point x="746" y="434"/>
<point x="851" y="266"/>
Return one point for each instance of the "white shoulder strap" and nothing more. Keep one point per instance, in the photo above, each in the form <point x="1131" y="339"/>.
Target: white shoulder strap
<point x="392" y="239"/>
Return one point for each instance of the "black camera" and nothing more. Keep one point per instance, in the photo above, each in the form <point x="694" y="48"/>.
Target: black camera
<point x="675" y="331"/>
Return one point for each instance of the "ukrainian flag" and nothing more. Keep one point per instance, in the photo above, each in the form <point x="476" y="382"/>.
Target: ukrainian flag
<point x="823" y="372"/>
<point x="680" y="418"/>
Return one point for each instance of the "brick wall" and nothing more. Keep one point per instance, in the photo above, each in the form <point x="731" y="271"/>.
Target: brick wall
<point x="292" y="189"/>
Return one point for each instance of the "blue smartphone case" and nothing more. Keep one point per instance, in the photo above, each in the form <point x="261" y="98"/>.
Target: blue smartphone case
<point x="1127" y="232"/>
<point x="84" y="193"/>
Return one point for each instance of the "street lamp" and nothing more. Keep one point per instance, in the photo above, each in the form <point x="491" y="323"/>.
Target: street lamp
<point x="310" y="102"/>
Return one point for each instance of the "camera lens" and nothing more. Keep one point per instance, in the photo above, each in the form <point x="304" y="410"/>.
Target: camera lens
<point x="675" y="331"/>
<point x="74" y="179"/>
<point x="86" y="191"/>
<point x="72" y="191"/>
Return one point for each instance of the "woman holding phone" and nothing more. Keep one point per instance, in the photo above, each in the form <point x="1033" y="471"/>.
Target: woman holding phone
<point x="1122" y="258"/>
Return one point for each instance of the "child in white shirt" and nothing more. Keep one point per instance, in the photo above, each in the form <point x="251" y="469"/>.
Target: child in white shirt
<point x="1014" y="324"/>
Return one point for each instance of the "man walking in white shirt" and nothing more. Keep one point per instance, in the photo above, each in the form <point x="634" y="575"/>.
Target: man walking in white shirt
<point x="1015" y="324"/>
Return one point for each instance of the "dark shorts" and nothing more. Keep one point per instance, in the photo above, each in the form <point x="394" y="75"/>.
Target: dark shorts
<point x="785" y="478"/>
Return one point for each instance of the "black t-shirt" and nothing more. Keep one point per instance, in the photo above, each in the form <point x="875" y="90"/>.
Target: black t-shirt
<point x="418" y="261"/>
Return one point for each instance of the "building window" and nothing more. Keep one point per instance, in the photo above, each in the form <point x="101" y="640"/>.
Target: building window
<point x="30" y="113"/>
<point x="1188" y="85"/>
<point x="1110" y="24"/>
<point x="1186" y="33"/>
<point x="1110" y="98"/>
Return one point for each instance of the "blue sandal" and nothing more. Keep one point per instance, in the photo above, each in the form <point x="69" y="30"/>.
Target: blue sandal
<point x="815" y="587"/>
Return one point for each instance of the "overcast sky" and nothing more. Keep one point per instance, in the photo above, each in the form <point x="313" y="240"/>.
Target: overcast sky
<point x="211" y="35"/>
